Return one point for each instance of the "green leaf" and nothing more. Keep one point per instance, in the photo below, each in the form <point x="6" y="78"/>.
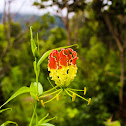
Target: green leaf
<point x="34" y="90"/>
<point x="113" y="123"/>
<point x="43" y="121"/>
<point x="40" y="121"/>
<point x="47" y="120"/>
<point x="36" y="3"/>
<point x="20" y="91"/>
<point x="5" y="109"/>
<point x="35" y="52"/>
<point x="46" y="124"/>
<point x="8" y="122"/>
<point x="33" y="46"/>
<point x="48" y="52"/>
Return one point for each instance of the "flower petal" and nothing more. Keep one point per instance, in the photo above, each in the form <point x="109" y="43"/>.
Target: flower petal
<point x="74" y="54"/>
<point x="52" y="63"/>
<point x="53" y="59"/>
<point x="63" y="58"/>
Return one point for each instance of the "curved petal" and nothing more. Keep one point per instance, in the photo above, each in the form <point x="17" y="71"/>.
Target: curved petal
<point x="63" y="58"/>
<point x="53" y="59"/>
<point x="74" y="56"/>
<point x="69" y="56"/>
<point x="52" y="63"/>
<point x="74" y="61"/>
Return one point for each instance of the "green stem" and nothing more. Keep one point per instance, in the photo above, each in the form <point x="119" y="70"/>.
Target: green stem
<point x="37" y="80"/>
<point x="36" y="73"/>
<point x="33" y="114"/>
<point x="36" y="119"/>
<point x="38" y="41"/>
<point x="37" y="92"/>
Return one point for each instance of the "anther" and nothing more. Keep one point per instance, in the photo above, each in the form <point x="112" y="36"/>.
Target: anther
<point x="85" y="90"/>
<point x="42" y="103"/>
<point x="57" y="97"/>
<point x="74" y="96"/>
<point x="89" y="101"/>
<point x="37" y="97"/>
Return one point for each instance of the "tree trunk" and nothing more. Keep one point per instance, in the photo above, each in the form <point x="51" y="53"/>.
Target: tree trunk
<point x="67" y="24"/>
<point x="120" y="46"/>
<point x="7" y="30"/>
<point x="68" y="33"/>
<point x="122" y="57"/>
<point x="120" y="113"/>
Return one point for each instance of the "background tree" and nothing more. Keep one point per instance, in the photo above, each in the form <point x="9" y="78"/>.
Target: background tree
<point x="114" y="19"/>
<point x="99" y="30"/>
<point x="104" y="19"/>
<point x="68" y="5"/>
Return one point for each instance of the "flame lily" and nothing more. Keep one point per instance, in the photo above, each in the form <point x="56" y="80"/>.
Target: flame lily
<point x="62" y="66"/>
<point x="63" y="69"/>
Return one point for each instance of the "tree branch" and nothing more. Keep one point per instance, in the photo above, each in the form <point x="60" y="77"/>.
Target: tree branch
<point x="113" y="32"/>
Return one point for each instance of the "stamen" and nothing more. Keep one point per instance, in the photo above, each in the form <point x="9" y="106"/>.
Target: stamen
<point x="54" y="96"/>
<point x="68" y="93"/>
<point x="89" y="101"/>
<point x="37" y="97"/>
<point x="42" y="103"/>
<point x="85" y="90"/>
<point x="49" y="93"/>
<point x="75" y="89"/>
<point x="57" y="97"/>
<point x="78" y="95"/>
<point x="51" y="83"/>
<point x="74" y="96"/>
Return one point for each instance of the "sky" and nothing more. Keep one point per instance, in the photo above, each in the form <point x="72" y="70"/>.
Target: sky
<point x="26" y="7"/>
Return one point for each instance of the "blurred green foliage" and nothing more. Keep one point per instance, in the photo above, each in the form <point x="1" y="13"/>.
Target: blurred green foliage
<point x="98" y="70"/>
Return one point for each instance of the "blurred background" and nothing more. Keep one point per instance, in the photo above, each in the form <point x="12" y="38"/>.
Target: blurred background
<point x="97" y="26"/>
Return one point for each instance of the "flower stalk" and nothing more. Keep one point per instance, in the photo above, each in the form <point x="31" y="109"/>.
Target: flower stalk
<point x="63" y="69"/>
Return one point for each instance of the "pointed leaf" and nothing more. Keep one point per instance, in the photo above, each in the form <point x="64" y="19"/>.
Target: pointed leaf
<point x="33" y="46"/>
<point x="46" y="124"/>
<point x="40" y="121"/>
<point x="34" y="90"/>
<point x="20" y="91"/>
<point x="5" y="110"/>
<point x="47" y="120"/>
<point x="8" y="122"/>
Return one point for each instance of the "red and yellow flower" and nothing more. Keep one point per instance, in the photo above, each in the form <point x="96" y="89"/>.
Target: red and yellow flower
<point x="62" y="66"/>
<point x="63" y="69"/>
